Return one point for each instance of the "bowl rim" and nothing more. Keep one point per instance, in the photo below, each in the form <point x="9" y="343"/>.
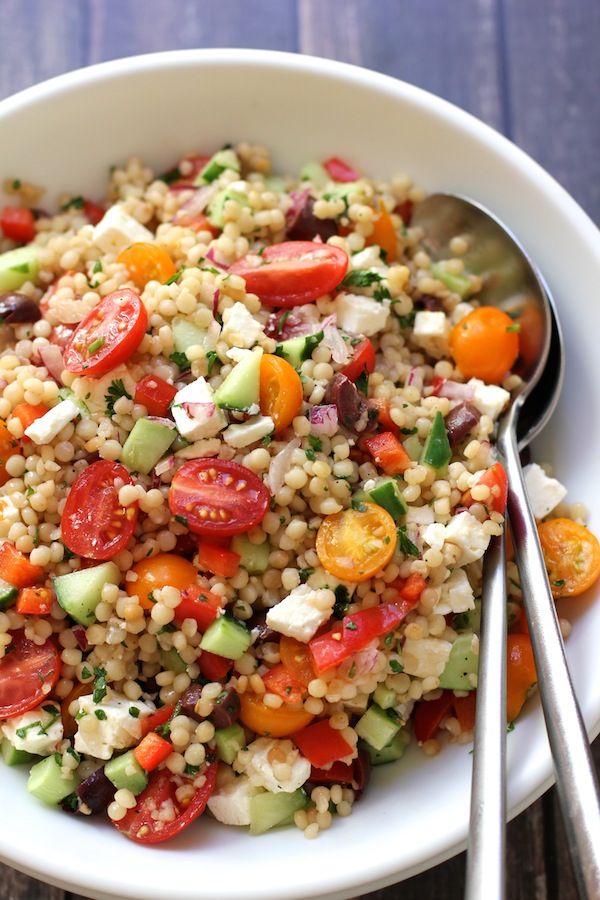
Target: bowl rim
<point x="373" y="876"/>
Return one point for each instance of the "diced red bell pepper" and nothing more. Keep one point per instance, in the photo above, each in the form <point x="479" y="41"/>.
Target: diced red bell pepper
<point x="155" y="394"/>
<point x="152" y="751"/>
<point x="464" y="710"/>
<point x="27" y="413"/>
<point x="93" y="211"/>
<point x="387" y="452"/>
<point x="199" y="604"/>
<point x="496" y="480"/>
<point x="16" y="568"/>
<point x="428" y="715"/>
<point x="18" y="224"/>
<point x="34" y="601"/>
<point x="213" y="667"/>
<point x="410" y="588"/>
<point x="362" y="361"/>
<point x="338" y="170"/>
<point x="158" y="718"/>
<point x="383" y="415"/>
<point x="321" y="744"/>
<point x="280" y="681"/>
<point x="216" y="559"/>
<point x="355" y="775"/>
<point x="405" y="211"/>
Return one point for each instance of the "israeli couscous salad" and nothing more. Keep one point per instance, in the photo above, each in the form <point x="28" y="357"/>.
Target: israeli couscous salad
<point x="247" y="481"/>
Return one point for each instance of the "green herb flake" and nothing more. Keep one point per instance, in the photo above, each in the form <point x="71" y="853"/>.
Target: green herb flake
<point x="407" y="321"/>
<point x="134" y="712"/>
<point x="16" y="184"/>
<point x="100" y="688"/>
<point x="560" y="583"/>
<point x="97" y="267"/>
<point x="514" y="328"/>
<point x="358" y="505"/>
<point x="381" y="293"/>
<point x="116" y="390"/>
<point x="405" y="544"/>
<point x="182" y="520"/>
<point x="395" y="666"/>
<point x="361" y="278"/>
<point x="174" y="279"/>
<point x="74" y="203"/>
<point x="100" y="714"/>
<point x="311" y="455"/>
<point x="408" y="430"/>
<point x="315" y="442"/>
<point x="282" y="320"/>
<point x="266" y="440"/>
<point x="362" y="382"/>
<point x="72" y="752"/>
<point x="305" y="575"/>
<point x="191" y="770"/>
<point x="351" y="626"/>
<point x="211" y="358"/>
<point x="180" y="359"/>
<point x="96" y="345"/>
<point x="85" y="672"/>
<point x="510" y="727"/>
<point x="342" y="601"/>
<point x="29" y="491"/>
<point x="170" y="176"/>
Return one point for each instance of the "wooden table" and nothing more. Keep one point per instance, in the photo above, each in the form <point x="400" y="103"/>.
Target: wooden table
<point x="530" y="68"/>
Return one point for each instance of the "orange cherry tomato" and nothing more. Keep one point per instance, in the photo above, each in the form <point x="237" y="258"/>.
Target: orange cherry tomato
<point x="356" y="544"/>
<point x="485" y="344"/>
<point x="8" y="447"/>
<point x="571" y="554"/>
<point x="280" y="722"/>
<point x="296" y="657"/>
<point x="384" y="233"/>
<point x="158" y="572"/>
<point x="520" y="673"/>
<point x="280" y="390"/>
<point x="147" y="262"/>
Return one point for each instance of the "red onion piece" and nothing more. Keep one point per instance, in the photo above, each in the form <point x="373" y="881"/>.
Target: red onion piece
<point x="165" y="465"/>
<point x="198" y="410"/>
<point x="340" y="352"/>
<point x="324" y="419"/>
<point x="196" y="204"/>
<point x="285" y="324"/>
<point x="210" y="256"/>
<point x="80" y="636"/>
<point x="168" y="423"/>
<point x="52" y="358"/>
<point x="280" y="464"/>
<point x="454" y="390"/>
<point x="298" y="199"/>
<point x="415" y="378"/>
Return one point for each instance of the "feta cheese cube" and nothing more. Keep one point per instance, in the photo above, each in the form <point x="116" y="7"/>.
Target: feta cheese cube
<point x="431" y="331"/>
<point x="45" y="429"/>
<point x="425" y="657"/>
<point x="230" y="803"/>
<point x="302" y="612"/>
<point x="195" y="412"/>
<point x="240" y="328"/>
<point x="256" y="763"/>
<point x="248" y="432"/>
<point x="489" y="399"/>
<point x="544" y="493"/>
<point x="456" y="594"/>
<point x="468" y="533"/>
<point x="435" y="535"/>
<point x="419" y="515"/>
<point x="38" y="731"/>
<point x="361" y="315"/>
<point x="116" y="728"/>
<point x="369" y="258"/>
<point x="117" y="230"/>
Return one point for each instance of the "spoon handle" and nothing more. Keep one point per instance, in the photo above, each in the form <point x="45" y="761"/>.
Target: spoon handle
<point x="487" y="827"/>
<point x="574" y="770"/>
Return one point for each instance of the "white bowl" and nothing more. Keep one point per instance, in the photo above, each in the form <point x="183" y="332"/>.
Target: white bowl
<point x="65" y="134"/>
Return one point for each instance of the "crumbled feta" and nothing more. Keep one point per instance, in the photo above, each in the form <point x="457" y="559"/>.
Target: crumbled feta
<point x="261" y="760"/>
<point x="369" y="258"/>
<point x="240" y="328"/>
<point x="117" y="230"/>
<point x="302" y="612"/>
<point x="435" y="535"/>
<point x="320" y="578"/>
<point x="195" y="412"/>
<point x="468" y="533"/>
<point x="45" y="429"/>
<point x="460" y="311"/>
<point x="38" y="731"/>
<point x="489" y="399"/>
<point x="456" y="594"/>
<point x="114" y="729"/>
<point x="544" y="493"/>
<point x="248" y="432"/>
<point x="431" y="331"/>
<point x="419" y="515"/>
<point x="94" y="391"/>
<point x="425" y="657"/>
<point x="361" y="315"/>
<point x="230" y="803"/>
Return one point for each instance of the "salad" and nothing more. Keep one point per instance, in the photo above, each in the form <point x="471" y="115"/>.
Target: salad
<point x="247" y="480"/>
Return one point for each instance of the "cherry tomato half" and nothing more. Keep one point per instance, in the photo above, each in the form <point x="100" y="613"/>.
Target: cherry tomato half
<point x="571" y="554"/>
<point x="485" y="344"/>
<point x="157" y="572"/>
<point x="93" y="523"/>
<point x="264" y="720"/>
<point x="217" y="497"/>
<point x="280" y="390"/>
<point x="293" y="272"/>
<point x="141" y="824"/>
<point x="27" y="674"/>
<point x="296" y="657"/>
<point x="147" y="262"/>
<point x="8" y="447"/>
<point x="18" y="224"/>
<point x="356" y="544"/>
<point x="108" y="335"/>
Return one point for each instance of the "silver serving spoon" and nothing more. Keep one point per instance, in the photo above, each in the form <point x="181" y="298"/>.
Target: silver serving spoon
<point x="511" y="281"/>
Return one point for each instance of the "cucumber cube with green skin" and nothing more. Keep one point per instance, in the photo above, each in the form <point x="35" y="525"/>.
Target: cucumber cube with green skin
<point x="253" y="557"/>
<point x="470" y="620"/>
<point x="8" y="594"/>
<point x="147" y="442"/>
<point x="47" y="783"/>
<point x="80" y="592"/>
<point x="392" y="751"/>
<point x="226" y="637"/>
<point x="387" y="494"/>
<point x="215" y="212"/>
<point x="17" y="267"/>
<point x="126" y="773"/>
<point x="172" y="661"/>
<point x="269" y="810"/>
<point x="384" y="697"/>
<point x="221" y="160"/>
<point x="14" y="757"/>
<point x="241" y="388"/>
<point x="378" y="726"/>
<point x="315" y="173"/>
<point x="186" y="334"/>
<point x="296" y="350"/>
<point x="458" y="284"/>
<point x="229" y="742"/>
<point x="462" y="663"/>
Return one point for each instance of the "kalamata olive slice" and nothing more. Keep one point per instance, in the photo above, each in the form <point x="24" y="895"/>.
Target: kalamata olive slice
<point x="306" y="226"/>
<point x="355" y="412"/>
<point x="226" y="710"/>
<point x="96" y="791"/>
<point x="460" y="421"/>
<point x="16" y="308"/>
<point x="189" y="700"/>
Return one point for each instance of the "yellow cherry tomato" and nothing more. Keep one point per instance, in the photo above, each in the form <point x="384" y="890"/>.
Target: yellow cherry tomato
<point x="280" y="390"/>
<point x="384" y="233"/>
<point x="485" y="344"/>
<point x="296" y="657"/>
<point x="355" y="544"/>
<point x="571" y="554"/>
<point x="147" y="262"/>
<point x="280" y="722"/>
<point x="8" y="447"/>
<point x="158" y="572"/>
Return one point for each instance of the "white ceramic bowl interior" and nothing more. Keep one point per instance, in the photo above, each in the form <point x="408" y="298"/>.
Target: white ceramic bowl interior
<point x="65" y="134"/>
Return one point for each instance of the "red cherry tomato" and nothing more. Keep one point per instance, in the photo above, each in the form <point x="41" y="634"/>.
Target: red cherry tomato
<point x="108" y="335"/>
<point x="141" y="825"/>
<point x="217" y="497"/>
<point x="339" y="170"/>
<point x="93" y="211"/>
<point x="155" y="394"/>
<point x="94" y="524"/>
<point x="292" y="273"/>
<point x="362" y="361"/>
<point x="28" y="672"/>
<point x="18" y="224"/>
<point x="214" y="667"/>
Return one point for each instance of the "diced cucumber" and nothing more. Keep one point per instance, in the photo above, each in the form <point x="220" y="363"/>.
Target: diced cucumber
<point x="79" y="593"/>
<point x="470" y="620"/>
<point x="241" y="388"/>
<point x="253" y="557"/>
<point x="269" y="810"/>
<point x="186" y="334"/>
<point x="458" y="284"/>
<point x="296" y="350"/>
<point x="229" y="742"/>
<point x="17" y="267"/>
<point x="8" y="594"/>
<point x="147" y="442"/>
<point x="392" y="751"/>
<point x="14" y="757"/>
<point x="462" y="663"/>
<point x="125" y="772"/>
<point x="226" y="637"/>
<point x="66" y="393"/>
<point x="342" y="191"/>
<point x="215" y="212"/>
<point x="377" y="726"/>
<point x="275" y="183"/>
<point x="221" y="160"/>
<point x="172" y="661"/>
<point x="315" y="173"/>
<point x="413" y="446"/>
<point x="384" y="697"/>
<point x="437" y="451"/>
<point x="46" y="781"/>
<point x="387" y="494"/>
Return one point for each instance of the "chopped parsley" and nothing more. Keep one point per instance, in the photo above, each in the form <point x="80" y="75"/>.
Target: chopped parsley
<point x="311" y="455"/>
<point x="358" y="505"/>
<point x="559" y="583"/>
<point x="170" y="176"/>
<point x="97" y="267"/>
<point x="100" y="688"/>
<point x="211" y="358"/>
<point x="361" y="278"/>
<point x="16" y="184"/>
<point x="68" y="554"/>
<point x="282" y="320"/>
<point x="191" y="770"/>
<point x="116" y="390"/>
<point x="29" y="491"/>
<point x="395" y="666"/>
<point x="362" y="382"/>
<point x="180" y="359"/>
<point x="266" y="440"/>
<point x="85" y="672"/>
<point x="351" y="626"/>
<point x="175" y="278"/>
<point x="165" y="730"/>
<point x="100" y="714"/>
<point x="134" y="712"/>
<point x="36" y="537"/>
<point x="182" y="520"/>
<point x="408" y="430"/>
<point x="72" y="752"/>
<point x="405" y="544"/>
<point x="305" y="575"/>
<point x="510" y="727"/>
<point x="315" y="442"/>
<point x="515" y="327"/>
<point x="407" y="321"/>
<point x="342" y="601"/>
<point x="381" y="293"/>
<point x="74" y="203"/>
<point x="71" y="802"/>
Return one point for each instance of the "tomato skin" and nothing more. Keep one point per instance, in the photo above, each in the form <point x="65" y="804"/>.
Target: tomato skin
<point x="356" y="544"/>
<point x="218" y="560"/>
<point x="321" y="744"/>
<point x="280" y="681"/>
<point x="157" y="572"/>
<point x="496" y="480"/>
<point x="155" y="394"/>
<point x="93" y="523"/>
<point x="429" y="714"/>
<point x="280" y="390"/>
<point x="155" y="720"/>
<point x="117" y="324"/>
<point x="9" y="446"/>
<point x="296" y="658"/>
<point x="147" y="262"/>
<point x="26" y="669"/>
<point x="196" y="221"/>
<point x="18" y="224"/>
<point x="362" y="361"/>
<point x="292" y="273"/>
<point x="464" y="710"/>
<point x="571" y="554"/>
<point x="214" y="667"/>
<point x="218" y="498"/>
<point x="484" y="344"/>
<point x="280" y="722"/>
<point x="199" y="604"/>
<point x="338" y="170"/>
<point x="16" y="568"/>
<point x="521" y="675"/>
<point x="138" y="824"/>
